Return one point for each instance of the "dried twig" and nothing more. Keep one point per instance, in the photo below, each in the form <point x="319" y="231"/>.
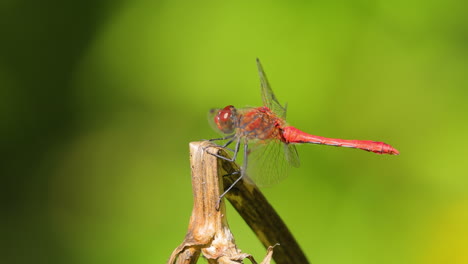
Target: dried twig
<point x="208" y="230"/>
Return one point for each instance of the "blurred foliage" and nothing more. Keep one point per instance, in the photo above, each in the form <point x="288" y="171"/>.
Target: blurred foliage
<point x="99" y="100"/>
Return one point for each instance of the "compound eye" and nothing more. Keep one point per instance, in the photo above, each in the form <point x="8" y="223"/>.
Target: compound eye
<point x="224" y="116"/>
<point x="225" y="119"/>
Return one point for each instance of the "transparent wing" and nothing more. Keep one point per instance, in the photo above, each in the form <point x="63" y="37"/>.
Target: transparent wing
<point x="211" y="116"/>
<point x="270" y="161"/>
<point x="291" y="155"/>
<point x="268" y="97"/>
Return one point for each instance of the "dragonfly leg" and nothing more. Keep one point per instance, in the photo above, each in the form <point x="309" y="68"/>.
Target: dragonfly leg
<point x="242" y="173"/>
<point x="223" y="138"/>
<point x="231" y="139"/>
<point x="228" y="143"/>
<point x="235" y="151"/>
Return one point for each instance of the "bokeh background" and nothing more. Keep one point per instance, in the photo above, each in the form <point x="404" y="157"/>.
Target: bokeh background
<point x="100" y="99"/>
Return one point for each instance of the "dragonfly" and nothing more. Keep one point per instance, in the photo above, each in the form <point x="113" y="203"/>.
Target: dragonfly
<point x="269" y="143"/>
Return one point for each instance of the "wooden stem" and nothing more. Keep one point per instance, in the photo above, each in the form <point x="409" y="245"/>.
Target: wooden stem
<point x="209" y="232"/>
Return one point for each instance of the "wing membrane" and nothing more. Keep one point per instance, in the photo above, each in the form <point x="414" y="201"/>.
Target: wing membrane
<point x="270" y="161"/>
<point x="291" y="155"/>
<point x="268" y="97"/>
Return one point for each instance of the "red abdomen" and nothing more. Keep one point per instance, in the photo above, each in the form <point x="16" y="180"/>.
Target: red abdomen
<point x="294" y="135"/>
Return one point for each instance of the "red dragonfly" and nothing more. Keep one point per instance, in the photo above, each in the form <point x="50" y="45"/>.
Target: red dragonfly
<point x="273" y="149"/>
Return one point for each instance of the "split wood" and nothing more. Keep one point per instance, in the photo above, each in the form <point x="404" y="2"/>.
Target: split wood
<point x="208" y="231"/>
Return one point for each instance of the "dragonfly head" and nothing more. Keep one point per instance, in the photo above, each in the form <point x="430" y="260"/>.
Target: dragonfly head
<point x="226" y="118"/>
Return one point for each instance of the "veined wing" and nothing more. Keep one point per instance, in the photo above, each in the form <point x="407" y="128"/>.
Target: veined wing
<point x="268" y="97"/>
<point x="270" y="161"/>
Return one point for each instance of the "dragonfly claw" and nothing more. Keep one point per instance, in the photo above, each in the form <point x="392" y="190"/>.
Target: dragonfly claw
<point x="218" y="203"/>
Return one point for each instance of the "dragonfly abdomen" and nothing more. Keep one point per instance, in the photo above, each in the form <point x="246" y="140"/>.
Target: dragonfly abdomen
<point x="294" y="135"/>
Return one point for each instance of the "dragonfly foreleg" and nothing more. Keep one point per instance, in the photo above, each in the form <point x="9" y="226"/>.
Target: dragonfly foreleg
<point x="223" y="138"/>
<point x="231" y="139"/>
<point x="235" y="151"/>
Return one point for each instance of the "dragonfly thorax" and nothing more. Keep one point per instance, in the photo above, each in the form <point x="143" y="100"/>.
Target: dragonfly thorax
<point x="259" y="124"/>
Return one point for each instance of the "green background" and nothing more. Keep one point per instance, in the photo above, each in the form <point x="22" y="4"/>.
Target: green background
<point x="100" y="99"/>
